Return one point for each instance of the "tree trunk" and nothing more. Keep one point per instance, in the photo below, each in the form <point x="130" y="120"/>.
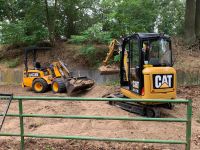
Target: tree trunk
<point x="197" y="23"/>
<point x="190" y="21"/>
<point x="70" y="28"/>
<point x="54" y="19"/>
<point x="49" y="25"/>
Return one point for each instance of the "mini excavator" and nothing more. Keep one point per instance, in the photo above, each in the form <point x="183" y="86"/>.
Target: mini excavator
<point x="146" y="72"/>
<point x="56" y="75"/>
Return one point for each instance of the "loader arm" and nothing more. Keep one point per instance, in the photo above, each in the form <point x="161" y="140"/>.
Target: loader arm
<point x="60" y="70"/>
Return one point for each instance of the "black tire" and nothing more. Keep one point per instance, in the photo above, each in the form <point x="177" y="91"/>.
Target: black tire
<point x="43" y="85"/>
<point x="61" y="88"/>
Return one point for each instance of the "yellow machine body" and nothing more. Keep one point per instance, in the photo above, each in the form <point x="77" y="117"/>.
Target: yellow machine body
<point x="164" y="92"/>
<point x="157" y="82"/>
<point x="47" y="74"/>
<point x="30" y="75"/>
<point x="57" y="76"/>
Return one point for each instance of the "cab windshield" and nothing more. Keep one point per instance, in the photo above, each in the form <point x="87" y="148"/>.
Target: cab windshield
<point x="157" y="52"/>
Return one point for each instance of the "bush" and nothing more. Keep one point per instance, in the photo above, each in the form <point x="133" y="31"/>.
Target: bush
<point x="91" y="55"/>
<point x="117" y="58"/>
<point x="88" y="50"/>
<point x="78" y="39"/>
<point x="94" y="34"/>
<point x="13" y="63"/>
<point x="21" y="32"/>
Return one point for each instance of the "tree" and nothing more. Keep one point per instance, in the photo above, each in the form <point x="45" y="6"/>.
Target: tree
<point x="192" y="21"/>
<point x="135" y="16"/>
<point x="170" y="18"/>
<point x="197" y="23"/>
<point x="26" y="25"/>
<point x="50" y="21"/>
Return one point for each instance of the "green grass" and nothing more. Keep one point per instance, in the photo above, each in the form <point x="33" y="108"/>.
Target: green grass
<point x="112" y="83"/>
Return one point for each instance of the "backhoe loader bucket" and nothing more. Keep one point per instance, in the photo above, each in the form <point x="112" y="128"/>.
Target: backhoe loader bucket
<point x="78" y="84"/>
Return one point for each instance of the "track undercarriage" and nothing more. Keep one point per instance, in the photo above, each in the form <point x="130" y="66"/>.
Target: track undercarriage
<point x="139" y="108"/>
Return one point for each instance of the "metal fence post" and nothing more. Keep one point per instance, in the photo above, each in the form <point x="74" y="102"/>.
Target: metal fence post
<point x="189" y="124"/>
<point x="21" y="124"/>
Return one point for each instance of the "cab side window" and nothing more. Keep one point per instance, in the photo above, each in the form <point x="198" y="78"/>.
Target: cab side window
<point x="134" y="59"/>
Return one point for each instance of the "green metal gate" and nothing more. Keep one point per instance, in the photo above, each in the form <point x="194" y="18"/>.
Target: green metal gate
<point x="21" y="115"/>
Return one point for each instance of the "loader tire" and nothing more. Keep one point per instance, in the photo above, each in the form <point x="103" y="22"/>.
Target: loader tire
<point x="58" y="86"/>
<point x="39" y="85"/>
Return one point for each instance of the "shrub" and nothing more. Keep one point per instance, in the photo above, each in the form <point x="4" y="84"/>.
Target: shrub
<point x="21" y="32"/>
<point x="78" y="39"/>
<point x="117" y="58"/>
<point x="90" y="55"/>
<point x="94" y="34"/>
<point x="13" y="63"/>
<point x="88" y="50"/>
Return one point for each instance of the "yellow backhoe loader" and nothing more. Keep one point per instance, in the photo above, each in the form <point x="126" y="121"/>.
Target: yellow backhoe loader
<point x="56" y="76"/>
<point x="146" y="72"/>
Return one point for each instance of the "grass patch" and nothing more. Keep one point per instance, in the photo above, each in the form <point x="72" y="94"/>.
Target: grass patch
<point x="112" y="83"/>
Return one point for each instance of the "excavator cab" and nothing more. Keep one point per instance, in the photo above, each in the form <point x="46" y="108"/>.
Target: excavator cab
<point x="146" y="67"/>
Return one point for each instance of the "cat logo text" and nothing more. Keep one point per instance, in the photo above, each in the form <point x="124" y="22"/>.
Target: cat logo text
<point x="162" y="81"/>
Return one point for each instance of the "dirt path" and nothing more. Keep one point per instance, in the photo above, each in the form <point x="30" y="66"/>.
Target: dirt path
<point x="100" y="128"/>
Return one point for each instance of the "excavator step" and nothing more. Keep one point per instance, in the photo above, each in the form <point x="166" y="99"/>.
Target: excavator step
<point x="8" y="98"/>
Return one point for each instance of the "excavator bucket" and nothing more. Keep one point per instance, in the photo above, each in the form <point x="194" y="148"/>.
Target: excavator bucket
<point x="78" y="84"/>
<point x="108" y="69"/>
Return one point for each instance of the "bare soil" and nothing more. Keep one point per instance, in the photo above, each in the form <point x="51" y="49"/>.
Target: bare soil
<point x="186" y="58"/>
<point x="99" y="128"/>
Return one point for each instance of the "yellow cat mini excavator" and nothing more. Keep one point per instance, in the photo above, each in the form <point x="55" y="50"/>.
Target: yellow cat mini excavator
<point x="56" y="76"/>
<point x="146" y="72"/>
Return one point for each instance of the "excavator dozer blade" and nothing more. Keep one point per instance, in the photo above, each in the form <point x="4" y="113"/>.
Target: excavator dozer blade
<point x="78" y="84"/>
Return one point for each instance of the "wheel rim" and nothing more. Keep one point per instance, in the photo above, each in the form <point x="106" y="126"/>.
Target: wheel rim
<point x="38" y="87"/>
<point x="55" y="87"/>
